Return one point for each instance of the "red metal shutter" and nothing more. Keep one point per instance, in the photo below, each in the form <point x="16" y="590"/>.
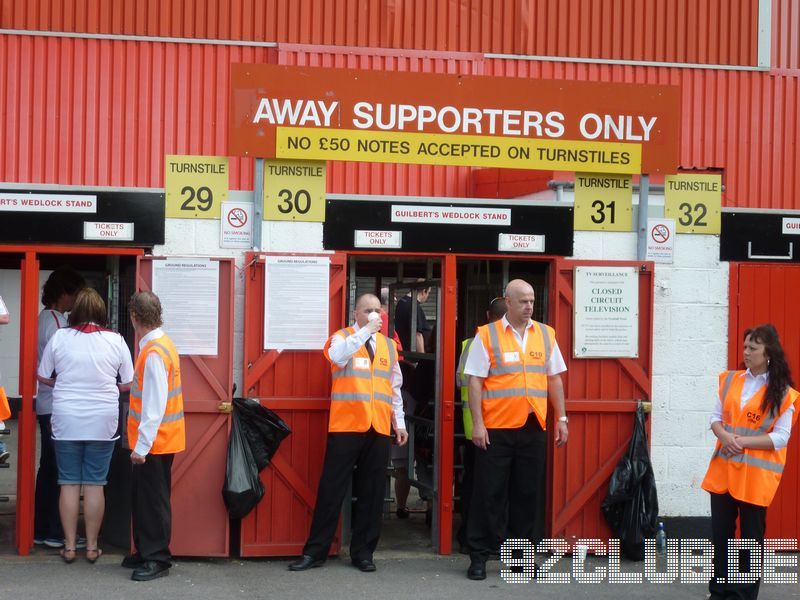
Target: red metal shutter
<point x="199" y="517"/>
<point x="601" y="396"/>
<point x="296" y="385"/>
<point x="766" y="293"/>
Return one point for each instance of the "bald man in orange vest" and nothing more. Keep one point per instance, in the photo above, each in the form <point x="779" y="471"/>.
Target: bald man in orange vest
<point x="365" y="406"/>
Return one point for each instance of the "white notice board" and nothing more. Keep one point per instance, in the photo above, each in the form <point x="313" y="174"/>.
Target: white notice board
<point x="296" y="302"/>
<point x="606" y="312"/>
<point x="189" y="292"/>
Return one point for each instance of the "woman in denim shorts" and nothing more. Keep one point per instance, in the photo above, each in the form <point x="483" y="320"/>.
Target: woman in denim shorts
<point x="87" y="366"/>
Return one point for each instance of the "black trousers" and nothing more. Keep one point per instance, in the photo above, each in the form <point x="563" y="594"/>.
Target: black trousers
<point x="467" y="485"/>
<point x="151" y="511"/>
<point x="369" y="452"/>
<point x="46" y="518"/>
<point x="752" y="524"/>
<point x="509" y="473"/>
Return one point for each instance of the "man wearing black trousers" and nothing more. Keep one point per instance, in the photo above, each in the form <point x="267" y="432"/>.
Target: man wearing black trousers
<point x="156" y="432"/>
<point x="365" y="405"/>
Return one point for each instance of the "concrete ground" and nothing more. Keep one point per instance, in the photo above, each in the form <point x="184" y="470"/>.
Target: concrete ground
<point x="406" y="565"/>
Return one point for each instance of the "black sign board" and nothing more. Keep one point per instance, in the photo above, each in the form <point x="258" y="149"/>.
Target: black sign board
<point x="344" y="217"/>
<point x="749" y="236"/>
<point x="63" y="225"/>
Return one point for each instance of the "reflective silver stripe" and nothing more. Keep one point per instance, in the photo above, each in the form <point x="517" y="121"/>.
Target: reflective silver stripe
<point x="753" y="461"/>
<point x="382" y="397"/>
<point x="135" y="414"/>
<point x="392" y="353"/>
<point x="726" y="386"/>
<point x="494" y="340"/>
<point x="463" y="378"/>
<point x="342" y="396"/>
<point x="546" y="337"/>
<point x="171" y="418"/>
<point x="747" y="431"/>
<point x="517" y="369"/>
<point x="348" y="372"/>
<point x="510" y="392"/>
<point x="176" y="392"/>
<point x="382" y="374"/>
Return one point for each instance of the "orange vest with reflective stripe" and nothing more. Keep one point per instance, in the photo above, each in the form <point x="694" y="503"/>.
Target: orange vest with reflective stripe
<point x="754" y="475"/>
<point x="361" y="391"/>
<point x="171" y="436"/>
<point x="517" y="380"/>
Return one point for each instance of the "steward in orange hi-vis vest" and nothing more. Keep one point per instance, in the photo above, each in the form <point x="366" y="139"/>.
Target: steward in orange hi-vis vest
<point x="517" y="382"/>
<point x="171" y="437"/>
<point x="361" y="391"/>
<point x="752" y="476"/>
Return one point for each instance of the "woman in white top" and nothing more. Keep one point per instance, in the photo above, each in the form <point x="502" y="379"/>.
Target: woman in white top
<point x="92" y="365"/>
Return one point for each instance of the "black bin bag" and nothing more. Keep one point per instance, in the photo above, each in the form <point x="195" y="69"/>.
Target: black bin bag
<point x="256" y="434"/>
<point x="631" y="504"/>
<point x="243" y="488"/>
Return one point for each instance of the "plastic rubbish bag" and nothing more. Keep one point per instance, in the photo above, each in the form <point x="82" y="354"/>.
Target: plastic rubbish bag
<point x="243" y="488"/>
<point x="263" y="429"/>
<point x="631" y="504"/>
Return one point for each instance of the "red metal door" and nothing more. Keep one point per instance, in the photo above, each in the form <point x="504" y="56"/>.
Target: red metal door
<point x="601" y="396"/>
<point x="766" y="293"/>
<point x="199" y="517"/>
<point x="296" y="385"/>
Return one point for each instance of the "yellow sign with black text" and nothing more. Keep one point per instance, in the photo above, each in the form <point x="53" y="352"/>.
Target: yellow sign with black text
<point x="457" y="150"/>
<point x="603" y="202"/>
<point x="294" y="190"/>
<point x="195" y="186"/>
<point x="694" y="201"/>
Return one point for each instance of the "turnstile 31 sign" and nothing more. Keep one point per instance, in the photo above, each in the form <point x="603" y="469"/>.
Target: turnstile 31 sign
<point x="603" y="202"/>
<point x="195" y="186"/>
<point x="294" y="190"/>
<point x="694" y="201"/>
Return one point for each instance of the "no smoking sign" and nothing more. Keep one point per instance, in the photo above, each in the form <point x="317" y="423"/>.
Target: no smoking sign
<point x="236" y="225"/>
<point x="661" y="241"/>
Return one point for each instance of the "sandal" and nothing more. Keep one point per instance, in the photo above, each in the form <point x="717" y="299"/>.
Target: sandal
<point x="67" y="555"/>
<point x="92" y="554"/>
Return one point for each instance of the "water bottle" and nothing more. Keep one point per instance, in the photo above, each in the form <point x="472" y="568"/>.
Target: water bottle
<point x="661" y="538"/>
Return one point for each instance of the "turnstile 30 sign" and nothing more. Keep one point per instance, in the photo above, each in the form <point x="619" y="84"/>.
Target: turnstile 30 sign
<point x="603" y="202"/>
<point x="294" y="190"/>
<point x="195" y="186"/>
<point x="694" y="201"/>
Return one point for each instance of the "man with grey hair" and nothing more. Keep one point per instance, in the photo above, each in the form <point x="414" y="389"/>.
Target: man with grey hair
<point x="156" y="432"/>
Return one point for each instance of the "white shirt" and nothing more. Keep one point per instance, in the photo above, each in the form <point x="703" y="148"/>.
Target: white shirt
<point x="342" y="349"/>
<point x="50" y="321"/>
<point x="781" y="431"/>
<point x="478" y="359"/>
<point x="86" y="397"/>
<point x="155" y="389"/>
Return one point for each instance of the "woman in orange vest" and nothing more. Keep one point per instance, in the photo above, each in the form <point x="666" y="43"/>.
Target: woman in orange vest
<point x="752" y="420"/>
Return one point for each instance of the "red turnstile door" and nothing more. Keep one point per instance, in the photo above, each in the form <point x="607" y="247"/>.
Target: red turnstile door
<point x="199" y="517"/>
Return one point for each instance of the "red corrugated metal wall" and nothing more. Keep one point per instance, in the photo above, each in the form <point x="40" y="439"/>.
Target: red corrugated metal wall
<point x="786" y="34"/>
<point x="712" y="31"/>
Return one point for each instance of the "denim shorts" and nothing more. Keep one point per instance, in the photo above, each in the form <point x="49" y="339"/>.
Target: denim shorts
<point x="83" y="462"/>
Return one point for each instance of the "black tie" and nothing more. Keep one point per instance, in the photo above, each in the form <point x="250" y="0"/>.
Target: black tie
<point x="370" y="351"/>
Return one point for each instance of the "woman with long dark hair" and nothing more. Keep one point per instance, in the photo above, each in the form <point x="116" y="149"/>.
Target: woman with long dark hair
<point x="752" y="420"/>
<point x="92" y="365"/>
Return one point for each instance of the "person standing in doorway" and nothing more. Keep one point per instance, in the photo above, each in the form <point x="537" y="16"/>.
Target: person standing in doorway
<point x="495" y="311"/>
<point x="365" y="406"/>
<point x="5" y="409"/>
<point x="156" y="433"/>
<point x="752" y="419"/>
<point x="58" y="297"/>
<point x="514" y="367"/>
<point x="402" y="320"/>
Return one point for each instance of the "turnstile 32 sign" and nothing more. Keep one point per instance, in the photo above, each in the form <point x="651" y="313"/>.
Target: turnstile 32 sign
<point x="294" y="190"/>
<point x="603" y="202"/>
<point x="195" y="186"/>
<point x="694" y="201"/>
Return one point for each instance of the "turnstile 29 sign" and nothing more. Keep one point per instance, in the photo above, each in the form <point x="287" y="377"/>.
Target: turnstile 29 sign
<point x="195" y="186"/>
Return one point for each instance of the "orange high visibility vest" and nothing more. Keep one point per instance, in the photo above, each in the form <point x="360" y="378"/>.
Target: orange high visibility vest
<point x="361" y="392"/>
<point x="171" y="436"/>
<point x="754" y="475"/>
<point x="5" y="409"/>
<point x="517" y="381"/>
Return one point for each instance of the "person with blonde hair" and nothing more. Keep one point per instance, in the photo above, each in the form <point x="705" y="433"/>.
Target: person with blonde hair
<point x="87" y="366"/>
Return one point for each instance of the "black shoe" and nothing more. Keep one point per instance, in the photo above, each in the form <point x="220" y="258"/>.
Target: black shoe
<point x="402" y="513"/>
<point x="477" y="570"/>
<point x="364" y="565"/>
<point x="305" y="562"/>
<point x="132" y="561"/>
<point x="150" y="569"/>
